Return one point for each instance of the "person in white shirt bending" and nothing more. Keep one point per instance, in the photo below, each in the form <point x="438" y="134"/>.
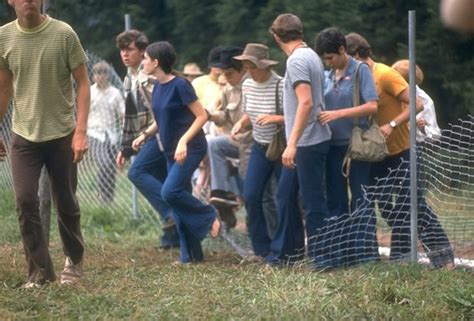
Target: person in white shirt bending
<point x="426" y="123"/>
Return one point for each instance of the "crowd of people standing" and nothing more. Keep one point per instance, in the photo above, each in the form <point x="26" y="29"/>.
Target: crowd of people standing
<point x="216" y="129"/>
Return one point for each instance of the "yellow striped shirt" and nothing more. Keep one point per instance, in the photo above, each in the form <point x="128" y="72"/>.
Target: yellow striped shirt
<point x="41" y="61"/>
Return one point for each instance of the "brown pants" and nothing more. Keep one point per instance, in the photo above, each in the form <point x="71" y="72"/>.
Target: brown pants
<point x="27" y="159"/>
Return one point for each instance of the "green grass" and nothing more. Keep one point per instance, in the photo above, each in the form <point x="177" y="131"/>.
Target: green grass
<point x="128" y="277"/>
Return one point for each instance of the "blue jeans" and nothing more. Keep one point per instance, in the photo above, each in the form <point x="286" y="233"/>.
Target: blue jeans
<point x="348" y="243"/>
<point x="147" y="173"/>
<point x="219" y="149"/>
<point x="336" y="183"/>
<point x="259" y="174"/>
<point x="310" y="165"/>
<point x="288" y="244"/>
<point x="193" y="218"/>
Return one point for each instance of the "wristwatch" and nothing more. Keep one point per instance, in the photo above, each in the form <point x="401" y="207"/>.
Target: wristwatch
<point x="392" y="124"/>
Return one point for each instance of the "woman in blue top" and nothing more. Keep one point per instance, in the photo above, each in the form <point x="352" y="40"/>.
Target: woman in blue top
<point x="180" y="117"/>
<point x="340" y="113"/>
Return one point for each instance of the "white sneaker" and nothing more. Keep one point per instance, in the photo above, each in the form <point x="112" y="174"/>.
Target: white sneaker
<point x="30" y="285"/>
<point x="71" y="272"/>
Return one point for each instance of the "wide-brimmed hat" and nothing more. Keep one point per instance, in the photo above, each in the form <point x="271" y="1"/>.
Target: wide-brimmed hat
<point x="258" y="54"/>
<point x="192" y="69"/>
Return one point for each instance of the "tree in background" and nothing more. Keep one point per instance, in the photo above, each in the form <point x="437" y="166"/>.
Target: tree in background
<point x="196" y="26"/>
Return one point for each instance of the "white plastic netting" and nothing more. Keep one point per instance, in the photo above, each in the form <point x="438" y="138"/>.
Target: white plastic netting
<point x="380" y="229"/>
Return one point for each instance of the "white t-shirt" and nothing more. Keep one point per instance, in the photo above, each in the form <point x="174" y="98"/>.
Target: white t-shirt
<point x="431" y="128"/>
<point x="106" y="110"/>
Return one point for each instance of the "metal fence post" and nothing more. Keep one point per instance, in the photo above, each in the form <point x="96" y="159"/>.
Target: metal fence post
<point x="128" y="21"/>
<point x="413" y="160"/>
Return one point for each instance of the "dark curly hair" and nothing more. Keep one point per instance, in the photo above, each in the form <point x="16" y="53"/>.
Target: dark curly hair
<point x="125" y="38"/>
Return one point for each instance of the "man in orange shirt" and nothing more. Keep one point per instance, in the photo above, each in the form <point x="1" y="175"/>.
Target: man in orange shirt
<point x="392" y="117"/>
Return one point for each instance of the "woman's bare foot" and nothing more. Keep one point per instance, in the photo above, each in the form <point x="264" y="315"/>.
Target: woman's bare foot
<point x="216" y="228"/>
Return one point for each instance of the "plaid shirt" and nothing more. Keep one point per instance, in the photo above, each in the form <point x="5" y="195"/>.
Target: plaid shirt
<point x="138" y="113"/>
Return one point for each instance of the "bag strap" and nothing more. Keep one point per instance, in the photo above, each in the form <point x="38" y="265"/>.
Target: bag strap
<point x="356" y="88"/>
<point x="346" y="163"/>
<point x="277" y="103"/>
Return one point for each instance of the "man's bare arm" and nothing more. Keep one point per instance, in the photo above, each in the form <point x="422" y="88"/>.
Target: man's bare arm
<point x="79" y="141"/>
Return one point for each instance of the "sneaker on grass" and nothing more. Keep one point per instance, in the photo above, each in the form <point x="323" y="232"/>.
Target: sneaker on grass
<point x="30" y="285"/>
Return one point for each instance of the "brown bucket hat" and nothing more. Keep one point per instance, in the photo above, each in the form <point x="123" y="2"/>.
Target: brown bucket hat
<point x="258" y="54"/>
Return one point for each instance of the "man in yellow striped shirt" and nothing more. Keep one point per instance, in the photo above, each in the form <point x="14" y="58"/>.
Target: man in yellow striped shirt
<point x="38" y="55"/>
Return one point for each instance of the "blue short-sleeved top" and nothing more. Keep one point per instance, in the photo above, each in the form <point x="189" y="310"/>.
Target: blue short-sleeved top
<point x="338" y="95"/>
<point x="170" y="107"/>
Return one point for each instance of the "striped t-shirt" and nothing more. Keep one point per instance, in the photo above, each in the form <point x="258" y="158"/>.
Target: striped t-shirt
<point x="41" y="61"/>
<point x="259" y="99"/>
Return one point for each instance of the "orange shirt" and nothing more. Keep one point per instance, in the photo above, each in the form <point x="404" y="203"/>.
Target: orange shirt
<point x="390" y="84"/>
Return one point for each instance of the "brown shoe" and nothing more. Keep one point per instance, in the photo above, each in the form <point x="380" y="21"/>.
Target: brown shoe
<point x="168" y="224"/>
<point x="71" y="272"/>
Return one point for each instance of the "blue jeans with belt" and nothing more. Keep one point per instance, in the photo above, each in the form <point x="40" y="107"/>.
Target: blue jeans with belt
<point x="148" y="172"/>
<point x="259" y="173"/>
<point x="193" y="218"/>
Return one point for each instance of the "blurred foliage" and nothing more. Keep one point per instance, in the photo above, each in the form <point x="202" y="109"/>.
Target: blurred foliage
<point x="194" y="27"/>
